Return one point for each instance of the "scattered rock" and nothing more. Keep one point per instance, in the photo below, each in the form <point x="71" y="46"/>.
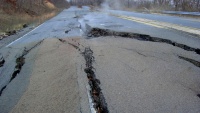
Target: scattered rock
<point x="9" y="33"/>
<point x="25" y="25"/>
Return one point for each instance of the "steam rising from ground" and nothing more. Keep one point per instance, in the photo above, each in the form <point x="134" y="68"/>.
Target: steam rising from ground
<point x="112" y="4"/>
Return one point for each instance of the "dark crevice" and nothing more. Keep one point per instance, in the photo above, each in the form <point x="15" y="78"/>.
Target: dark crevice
<point x="2" y="90"/>
<point x="76" y="47"/>
<point x="27" y="51"/>
<point x="198" y="95"/>
<point x="196" y="63"/>
<point x="2" y="61"/>
<point x="61" y="40"/>
<point x="73" y="45"/>
<point x="67" y="31"/>
<point x="98" y="98"/>
<point x="100" y="104"/>
<point x="20" y="61"/>
<point x="139" y="53"/>
<point x="97" y="32"/>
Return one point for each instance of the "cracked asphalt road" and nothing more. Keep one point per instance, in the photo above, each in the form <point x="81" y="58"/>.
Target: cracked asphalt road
<point x="136" y="76"/>
<point x="145" y="77"/>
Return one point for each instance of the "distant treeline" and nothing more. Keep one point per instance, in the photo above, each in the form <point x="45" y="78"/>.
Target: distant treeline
<point x="86" y="2"/>
<point x="175" y="5"/>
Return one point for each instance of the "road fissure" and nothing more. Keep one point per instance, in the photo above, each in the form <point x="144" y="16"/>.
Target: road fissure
<point x="2" y="61"/>
<point x="73" y="45"/>
<point x="98" y="32"/>
<point x="95" y="91"/>
<point x="196" y="63"/>
<point x="20" y="61"/>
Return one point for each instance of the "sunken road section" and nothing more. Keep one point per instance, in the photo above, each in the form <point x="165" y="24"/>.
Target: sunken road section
<point x="97" y="32"/>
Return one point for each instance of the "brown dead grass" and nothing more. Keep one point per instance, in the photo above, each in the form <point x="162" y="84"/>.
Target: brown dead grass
<point x="14" y="14"/>
<point x="16" y="21"/>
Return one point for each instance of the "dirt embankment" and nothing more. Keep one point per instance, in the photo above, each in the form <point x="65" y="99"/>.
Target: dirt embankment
<point x="36" y="11"/>
<point x="33" y="8"/>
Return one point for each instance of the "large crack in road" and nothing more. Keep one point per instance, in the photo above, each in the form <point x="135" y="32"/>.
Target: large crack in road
<point x="106" y="44"/>
<point x="2" y="61"/>
<point x="98" y="98"/>
<point x="95" y="93"/>
<point x="20" y="61"/>
<point x="95" y="90"/>
<point x="97" y="32"/>
<point x="196" y="63"/>
<point x="100" y="104"/>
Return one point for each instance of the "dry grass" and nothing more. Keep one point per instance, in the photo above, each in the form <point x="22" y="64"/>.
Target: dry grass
<point x="14" y="14"/>
<point x="16" y="21"/>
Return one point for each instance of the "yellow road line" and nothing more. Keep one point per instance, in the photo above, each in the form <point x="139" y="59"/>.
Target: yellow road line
<point x="139" y="21"/>
<point x="159" y="24"/>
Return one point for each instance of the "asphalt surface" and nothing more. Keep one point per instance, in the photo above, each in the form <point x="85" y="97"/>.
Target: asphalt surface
<point x="135" y="76"/>
<point x="145" y="77"/>
<point x="163" y="18"/>
<point x="182" y="13"/>
<point x="109" y="22"/>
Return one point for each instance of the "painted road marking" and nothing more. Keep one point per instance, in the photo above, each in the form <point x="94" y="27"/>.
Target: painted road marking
<point x="24" y="36"/>
<point x="159" y="24"/>
<point x="143" y="22"/>
<point x="91" y="104"/>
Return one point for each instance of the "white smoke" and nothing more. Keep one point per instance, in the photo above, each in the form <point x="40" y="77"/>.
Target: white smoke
<point x="105" y="6"/>
<point x="112" y="4"/>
